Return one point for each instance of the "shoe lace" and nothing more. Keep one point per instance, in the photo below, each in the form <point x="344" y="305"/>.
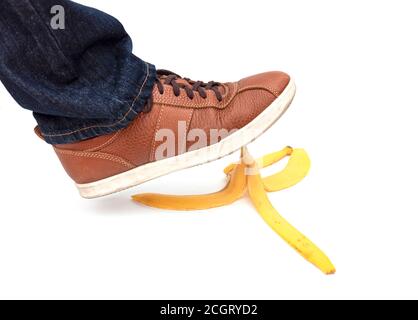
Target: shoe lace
<point x="165" y="77"/>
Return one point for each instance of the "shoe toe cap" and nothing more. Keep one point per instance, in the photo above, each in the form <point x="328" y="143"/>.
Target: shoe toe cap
<point x="275" y="82"/>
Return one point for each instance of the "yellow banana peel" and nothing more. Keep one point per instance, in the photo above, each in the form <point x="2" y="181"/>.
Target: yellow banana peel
<point x="245" y="176"/>
<point x="234" y="190"/>
<point x="260" y="200"/>
<point x="295" y="171"/>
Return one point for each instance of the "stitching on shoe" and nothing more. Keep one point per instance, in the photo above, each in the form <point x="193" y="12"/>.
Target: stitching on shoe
<point x="189" y="120"/>
<point x="265" y="88"/>
<point x="109" y="125"/>
<point x="105" y="144"/>
<point x="97" y="155"/>
<point x="157" y="127"/>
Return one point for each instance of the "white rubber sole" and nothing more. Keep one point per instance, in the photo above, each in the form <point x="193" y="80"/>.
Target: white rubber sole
<point x="225" y="147"/>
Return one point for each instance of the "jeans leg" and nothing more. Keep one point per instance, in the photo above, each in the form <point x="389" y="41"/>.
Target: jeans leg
<point x="77" y="74"/>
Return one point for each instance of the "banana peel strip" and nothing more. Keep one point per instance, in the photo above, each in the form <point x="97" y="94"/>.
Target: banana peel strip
<point x="245" y="177"/>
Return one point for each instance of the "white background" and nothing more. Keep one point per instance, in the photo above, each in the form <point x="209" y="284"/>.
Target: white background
<point x="355" y="64"/>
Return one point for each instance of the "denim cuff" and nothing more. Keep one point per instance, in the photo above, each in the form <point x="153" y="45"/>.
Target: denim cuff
<point x="70" y="130"/>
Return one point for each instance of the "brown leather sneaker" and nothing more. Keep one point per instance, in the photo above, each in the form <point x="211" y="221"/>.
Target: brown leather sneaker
<point x="186" y="123"/>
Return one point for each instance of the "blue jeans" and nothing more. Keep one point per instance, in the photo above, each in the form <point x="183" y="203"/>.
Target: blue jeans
<point x="73" y="67"/>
